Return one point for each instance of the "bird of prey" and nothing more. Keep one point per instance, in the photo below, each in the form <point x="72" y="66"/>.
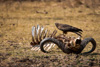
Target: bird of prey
<point x="67" y="28"/>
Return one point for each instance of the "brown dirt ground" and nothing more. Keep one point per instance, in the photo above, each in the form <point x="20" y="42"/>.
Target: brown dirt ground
<point x="17" y="19"/>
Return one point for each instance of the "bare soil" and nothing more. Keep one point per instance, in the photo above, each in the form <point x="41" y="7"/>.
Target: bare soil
<point x="17" y="19"/>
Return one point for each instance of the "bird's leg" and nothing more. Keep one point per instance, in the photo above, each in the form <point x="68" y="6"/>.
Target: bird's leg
<point x="64" y="34"/>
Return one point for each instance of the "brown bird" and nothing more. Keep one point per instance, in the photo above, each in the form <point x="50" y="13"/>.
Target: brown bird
<point x="67" y="28"/>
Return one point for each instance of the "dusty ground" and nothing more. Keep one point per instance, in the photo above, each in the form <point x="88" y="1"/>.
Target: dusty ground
<point x="17" y="19"/>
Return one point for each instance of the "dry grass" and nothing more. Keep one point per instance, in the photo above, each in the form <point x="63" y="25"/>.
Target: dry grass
<point x="17" y="19"/>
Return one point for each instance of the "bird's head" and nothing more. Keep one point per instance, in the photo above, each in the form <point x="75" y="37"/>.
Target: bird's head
<point x="57" y="24"/>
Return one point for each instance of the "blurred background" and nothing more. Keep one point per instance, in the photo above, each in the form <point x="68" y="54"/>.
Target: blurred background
<point x="18" y="16"/>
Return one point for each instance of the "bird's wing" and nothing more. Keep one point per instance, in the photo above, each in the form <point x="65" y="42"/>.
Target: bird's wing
<point x="66" y="27"/>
